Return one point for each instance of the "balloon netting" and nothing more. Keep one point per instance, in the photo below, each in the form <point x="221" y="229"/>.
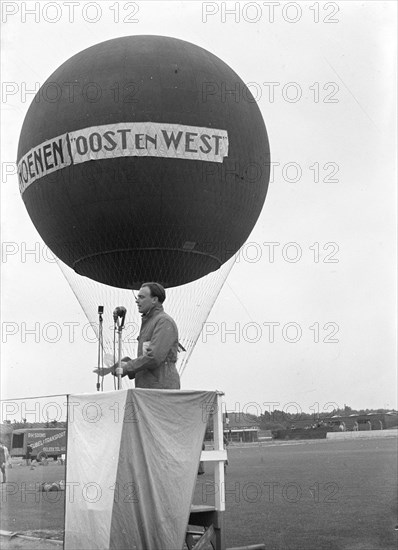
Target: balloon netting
<point x="189" y="305"/>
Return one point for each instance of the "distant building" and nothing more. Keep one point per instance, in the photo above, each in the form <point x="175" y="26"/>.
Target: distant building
<point x="365" y="422"/>
<point x="238" y="428"/>
<point x="353" y="422"/>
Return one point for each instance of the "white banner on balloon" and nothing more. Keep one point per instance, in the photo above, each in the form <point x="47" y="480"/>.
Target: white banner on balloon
<point x="48" y="157"/>
<point x="148" y="139"/>
<point x="125" y="139"/>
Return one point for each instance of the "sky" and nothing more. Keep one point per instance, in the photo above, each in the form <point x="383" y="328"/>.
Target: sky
<point x="307" y="317"/>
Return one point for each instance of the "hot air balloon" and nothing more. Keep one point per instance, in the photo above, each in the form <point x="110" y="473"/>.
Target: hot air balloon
<point x="144" y="158"/>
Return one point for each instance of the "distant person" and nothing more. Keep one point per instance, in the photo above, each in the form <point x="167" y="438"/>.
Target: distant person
<point x="226" y="443"/>
<point x="201" y="469"/>
<point x="28" y="455"/>
<point x="155" y="366"/>
<point x="4" y="458"/>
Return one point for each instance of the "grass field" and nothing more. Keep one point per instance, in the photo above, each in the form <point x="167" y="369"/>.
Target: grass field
<point x="27" y="510"/>
<point x="318" y="495"/>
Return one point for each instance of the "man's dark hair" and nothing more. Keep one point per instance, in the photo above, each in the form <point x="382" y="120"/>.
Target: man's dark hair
<point x="156" y="290"/>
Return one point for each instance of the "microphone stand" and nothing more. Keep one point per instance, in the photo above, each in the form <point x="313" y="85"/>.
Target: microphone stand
<point x="120" y="312"/>
<point x="100" y="358"/>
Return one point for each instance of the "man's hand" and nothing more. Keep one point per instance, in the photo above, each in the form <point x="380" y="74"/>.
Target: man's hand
<point x="106" y="370"/>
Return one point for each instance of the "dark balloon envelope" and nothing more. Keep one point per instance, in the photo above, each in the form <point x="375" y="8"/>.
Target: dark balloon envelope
<point x="144" y="158"/>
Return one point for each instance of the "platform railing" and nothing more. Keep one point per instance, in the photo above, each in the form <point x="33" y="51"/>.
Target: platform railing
<point x="218" y="455"/>
<point x="212" y="517"/>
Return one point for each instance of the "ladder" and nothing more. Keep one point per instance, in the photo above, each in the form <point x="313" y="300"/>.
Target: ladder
<point x="212" y="517"/>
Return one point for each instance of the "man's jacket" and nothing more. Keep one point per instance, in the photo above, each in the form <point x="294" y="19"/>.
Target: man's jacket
<point x="157" y="352"/>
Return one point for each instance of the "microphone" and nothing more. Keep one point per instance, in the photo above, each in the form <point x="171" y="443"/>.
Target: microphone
<point x="119" y="311"/>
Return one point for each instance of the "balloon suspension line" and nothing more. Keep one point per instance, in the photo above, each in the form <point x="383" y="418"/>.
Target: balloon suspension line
<point x="114" y="354"/>
<point x="119" y="316"/>
<point x="100" y="379"/>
